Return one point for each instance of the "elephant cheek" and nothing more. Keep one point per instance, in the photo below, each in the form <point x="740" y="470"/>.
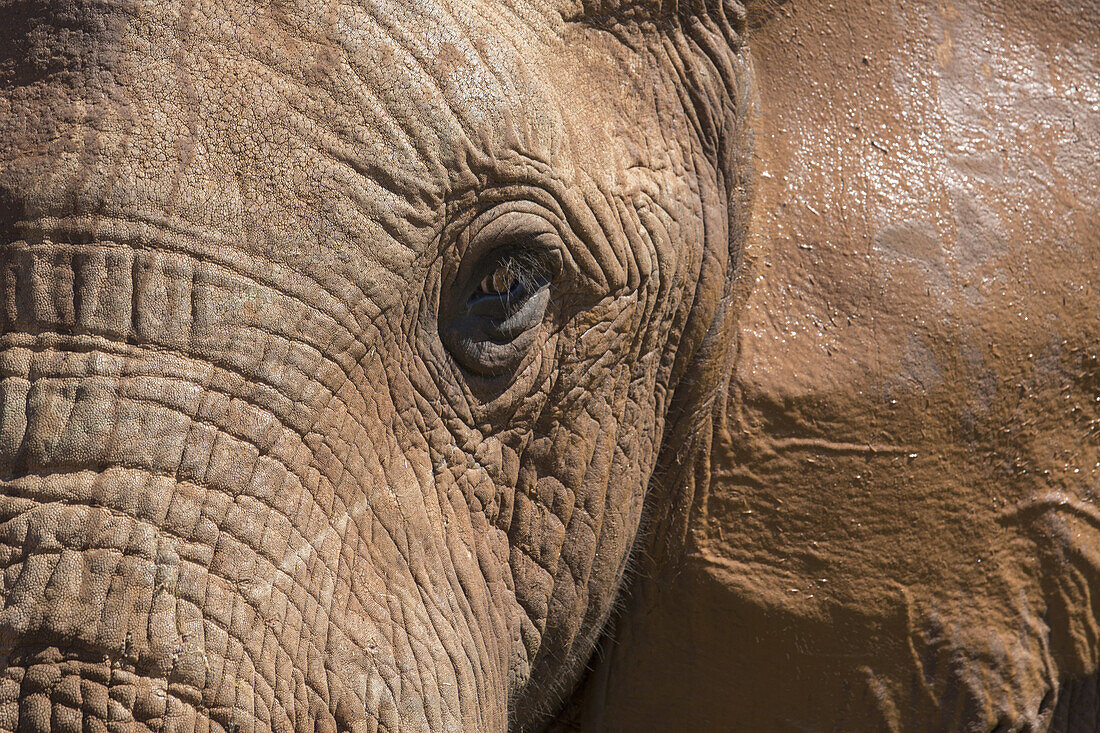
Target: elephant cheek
<point x="189" y="538"/>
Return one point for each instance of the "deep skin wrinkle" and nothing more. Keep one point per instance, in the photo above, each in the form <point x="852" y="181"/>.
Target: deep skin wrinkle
<point x="245" y="483"/>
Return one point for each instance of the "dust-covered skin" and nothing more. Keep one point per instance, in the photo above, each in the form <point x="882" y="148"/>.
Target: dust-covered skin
<point x="902" y="531"/>
<point x="351" y="351"/>
<point x="257" y="472"/>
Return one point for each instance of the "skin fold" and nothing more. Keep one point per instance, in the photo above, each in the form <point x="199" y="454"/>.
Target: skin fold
<point x="264" y="465"/>
<point x="363" y="363"/>
<point x="901" y="530"/>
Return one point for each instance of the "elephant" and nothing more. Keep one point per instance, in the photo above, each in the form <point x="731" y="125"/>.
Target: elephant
<point x="417" y="365"/>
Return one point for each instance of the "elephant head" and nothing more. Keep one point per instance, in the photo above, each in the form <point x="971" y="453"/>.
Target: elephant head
<point x="342" y="344"/>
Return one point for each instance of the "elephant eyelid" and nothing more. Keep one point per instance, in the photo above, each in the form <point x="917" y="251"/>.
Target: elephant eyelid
<point x="500" y="295"/>
<point x="526" y="270"/>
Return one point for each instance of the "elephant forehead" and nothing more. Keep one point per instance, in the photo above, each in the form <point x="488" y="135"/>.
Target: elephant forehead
<point x="297" y="123"/>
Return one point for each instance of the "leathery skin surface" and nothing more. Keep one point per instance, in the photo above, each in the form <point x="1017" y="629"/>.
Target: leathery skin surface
<point x="340" y="341"/>
<point x="360" y="360"/>
<point x="901" y="530"/>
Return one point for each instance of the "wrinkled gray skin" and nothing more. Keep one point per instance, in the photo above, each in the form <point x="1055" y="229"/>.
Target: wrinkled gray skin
<point x="245" y="485"/>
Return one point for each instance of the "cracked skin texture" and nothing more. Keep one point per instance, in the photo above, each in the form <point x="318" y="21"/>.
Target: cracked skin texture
<point x="901" y="529"/>
<point x="250" y="477"/>
<point x="245" y="484"/>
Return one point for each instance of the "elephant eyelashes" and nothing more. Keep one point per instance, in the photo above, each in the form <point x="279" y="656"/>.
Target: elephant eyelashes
<point x="508" y="283"/>
<point x="501" y="281"/>
<point x="499" y="301"/>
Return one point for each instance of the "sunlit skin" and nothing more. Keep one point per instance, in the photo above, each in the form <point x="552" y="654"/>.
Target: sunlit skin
<point x="270" y="457"/>
<point x="901" y="531"/>
<point x="425" y="366"/>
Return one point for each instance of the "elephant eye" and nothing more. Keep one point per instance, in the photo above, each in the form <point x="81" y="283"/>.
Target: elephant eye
<point x="503" y="281"/>
<point x="494" y="312"/>
<point x="508" y="282"/>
